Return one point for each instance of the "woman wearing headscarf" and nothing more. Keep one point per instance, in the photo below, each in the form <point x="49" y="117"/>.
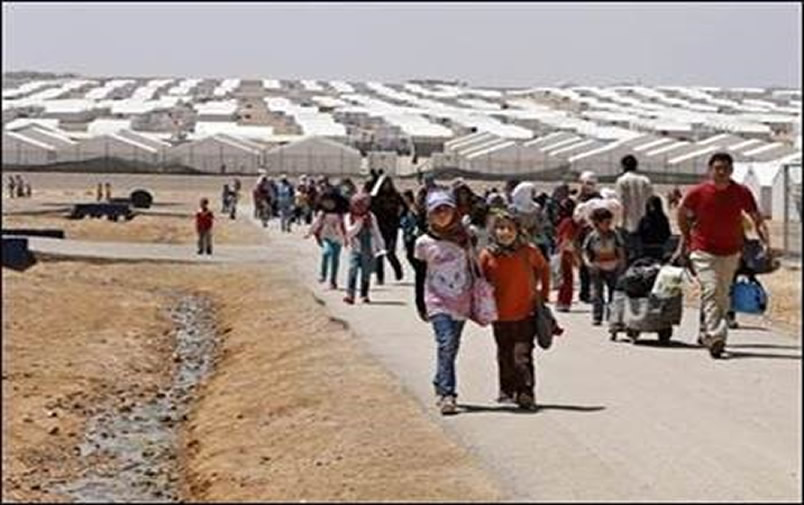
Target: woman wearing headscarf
<point x="530" y="216"/>
<point x="387" y="204"/>
<point x="583" y="210"/>
<point x="654" y="229"/>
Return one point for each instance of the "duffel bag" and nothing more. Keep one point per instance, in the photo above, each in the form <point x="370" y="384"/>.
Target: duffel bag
<point x="748" y="296"/>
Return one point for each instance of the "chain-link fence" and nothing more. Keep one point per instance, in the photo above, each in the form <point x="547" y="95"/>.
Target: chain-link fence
<point x="791" y="211"/>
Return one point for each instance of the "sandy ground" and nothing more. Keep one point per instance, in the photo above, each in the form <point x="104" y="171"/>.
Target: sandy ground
<point x="288" y="377"/>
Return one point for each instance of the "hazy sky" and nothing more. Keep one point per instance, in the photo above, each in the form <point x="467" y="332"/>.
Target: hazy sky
<point x="515" y="44"/>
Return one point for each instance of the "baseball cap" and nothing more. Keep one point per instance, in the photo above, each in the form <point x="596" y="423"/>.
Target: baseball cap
<point x="438" y="198"/>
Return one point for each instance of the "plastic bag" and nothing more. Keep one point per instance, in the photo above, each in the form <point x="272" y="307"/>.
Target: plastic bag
<point x="555" y="271"/>
<point x="669" y="282"/>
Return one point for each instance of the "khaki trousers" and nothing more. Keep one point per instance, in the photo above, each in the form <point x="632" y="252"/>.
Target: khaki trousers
<point x="715" y="274"/>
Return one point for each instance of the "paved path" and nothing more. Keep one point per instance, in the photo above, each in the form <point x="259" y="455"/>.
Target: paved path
<point x="618" y="421"/>
<point x="135" y="251"/>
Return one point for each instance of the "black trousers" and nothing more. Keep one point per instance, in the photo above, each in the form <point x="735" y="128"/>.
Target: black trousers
<point x="389" y="236"/>
<point x="515" y="356"/>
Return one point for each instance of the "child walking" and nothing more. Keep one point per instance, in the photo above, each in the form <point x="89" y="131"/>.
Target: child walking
<point x="567" y="235"/>
<point x="330" y="232"/>
<point x="604" y="255"/>
<point x="203" y="226"/>
<point x="521" y="279"/>
<point x="365" y="242"/>
<point x="443" y="289"/>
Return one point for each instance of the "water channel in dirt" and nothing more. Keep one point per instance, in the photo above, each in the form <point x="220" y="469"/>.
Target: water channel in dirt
<point x="129" y="451"/>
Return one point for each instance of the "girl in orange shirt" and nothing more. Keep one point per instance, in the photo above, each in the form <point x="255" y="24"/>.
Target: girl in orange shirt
<point x="521" y="278"/>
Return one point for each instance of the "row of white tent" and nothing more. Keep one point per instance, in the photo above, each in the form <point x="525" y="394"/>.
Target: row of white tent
<point x="35" y="145"/>
<point x="774" y="185"/>
<point x="488" y="154"/>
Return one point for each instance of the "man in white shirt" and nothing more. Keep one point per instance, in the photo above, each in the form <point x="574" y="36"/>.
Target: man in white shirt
<point x="633" y="190"/>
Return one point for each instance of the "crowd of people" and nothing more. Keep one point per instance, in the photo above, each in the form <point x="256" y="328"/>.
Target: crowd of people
<point x="19" y="187"/>
<point x="510" y="245"/>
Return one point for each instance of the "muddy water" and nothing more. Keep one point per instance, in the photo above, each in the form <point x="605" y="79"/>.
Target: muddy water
<point x="129" y="450"/>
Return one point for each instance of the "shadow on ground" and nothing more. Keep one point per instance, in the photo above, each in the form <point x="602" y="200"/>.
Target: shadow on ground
<point x="513" y="409"/>
<point x="741" y="355"/>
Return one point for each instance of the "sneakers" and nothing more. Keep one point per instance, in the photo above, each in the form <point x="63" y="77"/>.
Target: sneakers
<point x="349" y="299"/>
<point x="365" y="299"/>
<point x="597" y="322"/>
<point x="526" y="401"/>
<point x="447" y="405"/>
<point x="333" y="286"/>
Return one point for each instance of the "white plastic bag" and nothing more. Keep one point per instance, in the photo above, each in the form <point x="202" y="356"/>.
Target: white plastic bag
<point x="555" y="271"/>
<point x="669" y="282"/>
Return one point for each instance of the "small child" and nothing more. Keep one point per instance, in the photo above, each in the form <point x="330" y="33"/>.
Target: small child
<point x="604" y="255"/>
<point x="203" y="226"/>
<point x="330" y="233"/>
<point x="567" y="235"/>
<point x="521" y="279"/>
<point x="365" y="242"/>
<point x="444" y="288"/>
<point x="409" y="223"/>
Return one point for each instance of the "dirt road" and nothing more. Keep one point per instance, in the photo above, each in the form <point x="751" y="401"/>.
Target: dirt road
<point x="618" y="421"/>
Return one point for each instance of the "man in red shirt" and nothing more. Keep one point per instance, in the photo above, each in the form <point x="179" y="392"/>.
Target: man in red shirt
<point x="203" y="226"/>
<point x="710" y="220"/>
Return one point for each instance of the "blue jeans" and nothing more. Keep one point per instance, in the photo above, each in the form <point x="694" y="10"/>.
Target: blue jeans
<point x="330" y="256"/>
<point x="448" y="339"/>
<point x="365" y="263"/>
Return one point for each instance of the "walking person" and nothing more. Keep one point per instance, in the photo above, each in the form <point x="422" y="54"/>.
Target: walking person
<point x="567" y="237"/>
<point x="633" y="190"/>
<point x="203" y="227"/>
<point x="12" y="185"/>
<point x="285" y="199"/>
<point x="365" y="244"/>
<point x="388" y="206"/>
<point x="521" y="279"/>
<point x="654" y="230"/>
<point x="409" y="223"/>
<point x="329" y="231"/>
<point x="710" y="221"/>
<point x="99" y="192"/>
<point x="604" y="256"/>
<point x="588" y="192"/>
<point x="443" y="289"/>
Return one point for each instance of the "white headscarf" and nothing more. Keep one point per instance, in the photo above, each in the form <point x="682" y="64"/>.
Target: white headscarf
<point x="522" y="198"/>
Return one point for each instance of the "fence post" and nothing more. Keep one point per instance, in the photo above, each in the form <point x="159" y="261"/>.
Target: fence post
<point x="786" y="223"/>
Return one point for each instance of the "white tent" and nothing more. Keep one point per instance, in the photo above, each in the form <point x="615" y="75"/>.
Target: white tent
<point x="112" y="145"/>
<point x="17" y="149"/>
<point x="313" y="156"/>
<point x="768" y="186"/>
<point x="215" y="154"/>
<point x="509" y="158"/>
<point x="604" y="160"/>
